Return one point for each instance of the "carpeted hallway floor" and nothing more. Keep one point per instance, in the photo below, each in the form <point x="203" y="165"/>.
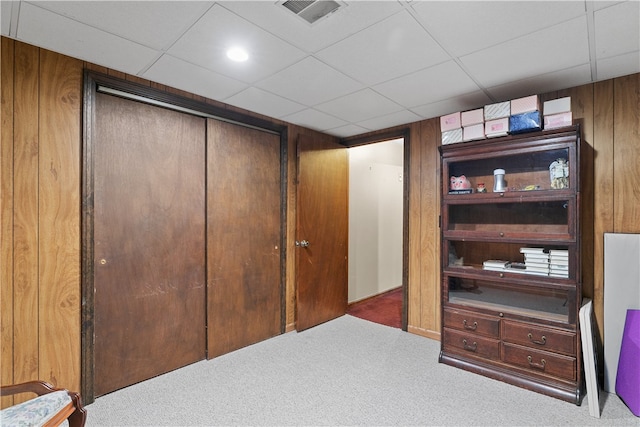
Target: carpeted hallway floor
<point x="385" y="309"/>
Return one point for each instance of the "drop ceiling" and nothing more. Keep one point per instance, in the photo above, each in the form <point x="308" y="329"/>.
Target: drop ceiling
<point x="369" y="65"/>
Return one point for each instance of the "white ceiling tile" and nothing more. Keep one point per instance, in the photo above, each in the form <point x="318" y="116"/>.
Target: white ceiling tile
<point x="81" y="41"/>
<point x="467" y="26"/>
<point x="433" y="84"/>
<point x="134" y="20"/>
<point x="348" y="130"/>
<point x="617" y="29"/>
<point x="617" y="66"/>
<point x="465" y="102"/>
<point x="597" y="5"/>
<point x="314" y="119"/>
<point x="7" y="11"/>
<point x="278" y="20"/>
<point x="362" y="105"/>
<point x="552" y="49"/>
<point x="570" y="77"/>
<point x="390" y="120"/>
<point x="260" y="101"/>
<point x="207" y="42"/>
<point x="501" y="50"/>
<point x="191" y="78"/>
<point x="394" y="47"/>
<point x="310" y="82"/>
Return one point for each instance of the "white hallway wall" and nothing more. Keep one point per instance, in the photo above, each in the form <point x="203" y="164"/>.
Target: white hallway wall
<point x="375" y="218"/>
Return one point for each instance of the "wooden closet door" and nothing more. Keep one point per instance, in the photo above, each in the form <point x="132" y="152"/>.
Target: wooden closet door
<point x="243" y="236"/>
<point x="149" y="241"/>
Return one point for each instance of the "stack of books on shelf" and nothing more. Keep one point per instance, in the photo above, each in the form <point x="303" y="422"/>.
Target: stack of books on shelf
<point x="559" y="263"/>
<point x="536" y="261"/>
<point x="495" y="265"/>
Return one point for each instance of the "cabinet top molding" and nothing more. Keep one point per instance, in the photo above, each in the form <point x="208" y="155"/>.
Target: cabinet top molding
<point x="543" y="137"/>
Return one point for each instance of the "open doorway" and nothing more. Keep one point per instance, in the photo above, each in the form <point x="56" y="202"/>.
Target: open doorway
<point x="376" y="223"/>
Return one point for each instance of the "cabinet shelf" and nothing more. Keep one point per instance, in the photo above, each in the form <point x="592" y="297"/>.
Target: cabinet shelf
<point x="551" y="308"/>
<point x="504" y="235"/>
<point x="514" y="196"/>
<point x="511" y="276"/>
<point x="537" y="228"/>
<point x="511" y="219"/>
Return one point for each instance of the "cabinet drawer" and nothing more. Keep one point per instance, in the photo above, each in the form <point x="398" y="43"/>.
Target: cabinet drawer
<point x="539" y="337"/>
<point x="472" y="322"/>
<point x="472" y="344"/>
<point x="542" y="362"/>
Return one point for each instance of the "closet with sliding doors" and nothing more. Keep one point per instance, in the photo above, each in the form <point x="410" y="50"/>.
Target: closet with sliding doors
<point x="182" y="233"/>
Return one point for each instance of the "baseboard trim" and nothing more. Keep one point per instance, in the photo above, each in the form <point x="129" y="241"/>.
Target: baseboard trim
<point x="360" y="301"/>
<point x="424" y="332"/>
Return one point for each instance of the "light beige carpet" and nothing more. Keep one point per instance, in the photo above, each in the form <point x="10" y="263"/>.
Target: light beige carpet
<point x="345" y="372"/>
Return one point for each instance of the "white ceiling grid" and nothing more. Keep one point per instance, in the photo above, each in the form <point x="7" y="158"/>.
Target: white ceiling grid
<point x="368" y="66"/>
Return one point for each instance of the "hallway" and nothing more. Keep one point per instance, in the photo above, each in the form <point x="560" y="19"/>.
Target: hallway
<point x="385" y="308"/>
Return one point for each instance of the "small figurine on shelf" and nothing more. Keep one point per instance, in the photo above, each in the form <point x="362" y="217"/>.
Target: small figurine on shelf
<point x="460" y="183"/>
<point x="480" y="188"/>
<point x="559" y="174"/>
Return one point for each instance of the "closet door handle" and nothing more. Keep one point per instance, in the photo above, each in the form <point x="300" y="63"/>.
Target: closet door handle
<point x="302" y="243"/>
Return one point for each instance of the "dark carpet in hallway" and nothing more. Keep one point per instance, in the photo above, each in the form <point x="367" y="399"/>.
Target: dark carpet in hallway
<point x="385" y="309"/>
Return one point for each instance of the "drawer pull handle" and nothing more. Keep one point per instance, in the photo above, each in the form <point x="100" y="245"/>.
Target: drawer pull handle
<point x="542" y="341"/>
<point x="471" y="328"/>
<point x="541" y="365"/>
<point x="468" y="347"/>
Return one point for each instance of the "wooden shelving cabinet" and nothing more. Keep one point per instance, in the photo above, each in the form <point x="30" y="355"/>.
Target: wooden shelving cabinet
<point x="512" y="324"/>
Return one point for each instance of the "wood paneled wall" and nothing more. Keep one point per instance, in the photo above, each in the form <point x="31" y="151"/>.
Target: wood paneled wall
<point x="41" y="106"/>
<point x="41" y="205"/>
<point x="424" y="231"/>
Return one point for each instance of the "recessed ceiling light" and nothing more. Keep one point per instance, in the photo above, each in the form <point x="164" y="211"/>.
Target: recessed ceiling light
<point x="237" y="54"/>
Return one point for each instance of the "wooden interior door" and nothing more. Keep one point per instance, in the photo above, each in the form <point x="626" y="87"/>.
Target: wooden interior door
<point x="244" y="233"/>
<point x="149" y="241"/>
<point x="323" y="224"/>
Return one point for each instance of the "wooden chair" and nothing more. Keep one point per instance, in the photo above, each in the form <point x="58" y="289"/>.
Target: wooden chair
<point x="53" y="405"/>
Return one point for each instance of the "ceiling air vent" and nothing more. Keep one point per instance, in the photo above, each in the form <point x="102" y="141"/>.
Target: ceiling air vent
<point x="314" y="10"/>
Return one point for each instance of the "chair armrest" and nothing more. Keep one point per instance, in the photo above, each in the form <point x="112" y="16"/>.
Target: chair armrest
<point x="76" y="419"/>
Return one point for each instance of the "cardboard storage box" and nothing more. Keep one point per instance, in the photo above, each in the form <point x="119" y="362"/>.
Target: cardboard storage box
<point x="469" y="133"/>
<point x="497" y="111"/>
<point x="525" y="122"/>
<point x="452" y="136"/>
<point x="560" y="120"/>
<point x="450" y="122"/>
<point x="525" y="105"/>
<point x="472" y="117"/>
<point x="557" y="106"/>
<point x="498" y="127"/>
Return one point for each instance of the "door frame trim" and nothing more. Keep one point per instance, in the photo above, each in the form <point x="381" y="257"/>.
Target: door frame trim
<point x="405" y="133"/>
<point x="95" y="82"/>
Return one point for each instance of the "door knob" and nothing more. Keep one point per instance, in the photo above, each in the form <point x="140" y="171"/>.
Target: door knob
<point x="302" y="243"/>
